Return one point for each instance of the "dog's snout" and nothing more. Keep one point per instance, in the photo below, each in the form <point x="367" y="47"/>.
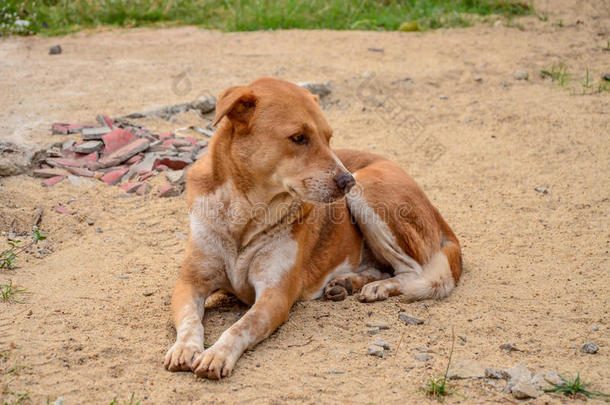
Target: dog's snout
<point x="345" y="181"/>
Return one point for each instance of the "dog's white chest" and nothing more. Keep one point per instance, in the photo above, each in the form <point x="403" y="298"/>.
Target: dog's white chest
<point x="257" y="261"/>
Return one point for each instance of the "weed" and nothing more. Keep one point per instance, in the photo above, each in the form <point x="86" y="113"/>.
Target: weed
<point x="18" y="398"/>
<point x="587" y="83"/>
<point x="574" y="387"/>
<point x="558" y="73"/>
<point x="8" y="257"/>
<point x="437" y="387"/>
<point x="8" y="292"/>
<point x="132" y="401"/>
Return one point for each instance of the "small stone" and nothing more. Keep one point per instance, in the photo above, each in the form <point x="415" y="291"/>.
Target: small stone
<point x="104" y="120"/>
<point x="542" y="190"/>
<point x="510" y="347"/>
<point x="90" y="223"/>
<point x="524" y="390"/>
<point x="422" y="357"/>
<point x="175" y="177"/>
<point x="463" y="338"/>
<point x="376" y="351"/>
<point x="589" y="347"/>
<point x="544" y="379"/>
<point x="606" y="77"/>
<point x="319" y="89"/>
<point x="494" y="373"/>
<point x="463" y="369"/>
<point x="79" y="181"/>
<point x="410" y="320"/>
<point x="95" y="133"/>
<point x="333" y="371"/>
<point x="477" y="79"/>
<point x="521" y="75"/>
<point x="375" y="331"/>
<point x="444" y="97"/>
<point x="55" y="50"/>
<point x="18" y="158"/>
<point x="594" y="328"/>
<point x="379" y="324"/>
<point x="122" y="276"/>
<point x="77" y="128"/>
<point x="99" y="230"/>
<point x="88" y="147"/>
<point x="515" y="375"/>
<point x="382" y="343"/>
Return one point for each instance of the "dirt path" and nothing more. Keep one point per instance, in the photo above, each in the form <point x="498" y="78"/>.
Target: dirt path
<point x="477" y="140"/>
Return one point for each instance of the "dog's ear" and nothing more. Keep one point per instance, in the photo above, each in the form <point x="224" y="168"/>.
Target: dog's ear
<point x="237" y="103"/>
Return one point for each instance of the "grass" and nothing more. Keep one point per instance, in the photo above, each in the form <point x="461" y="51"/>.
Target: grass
<point x="53" y="17"/>
<point x="574" y="387"/>
<point x="8" y="292"/>
<point x="437" y="387"/>
<point x="8" y="257"/>
<point x="558" y="73"/>
<point x="132" y="401"/>
<point x="18" y="398"/>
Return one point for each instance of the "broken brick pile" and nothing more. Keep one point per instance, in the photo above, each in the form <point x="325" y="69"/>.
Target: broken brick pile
<point x="118" y="152"/>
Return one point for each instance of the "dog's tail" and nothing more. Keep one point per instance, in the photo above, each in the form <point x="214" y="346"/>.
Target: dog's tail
<point x="441" y="273"/>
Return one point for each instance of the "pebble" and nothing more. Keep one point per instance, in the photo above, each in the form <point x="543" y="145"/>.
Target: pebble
<point x="98" y="230"/>
<point x="375" y="350"/>
<point x="122" y="276"/>
<point x="88" y="147"/>
<point x="463" y="338"/>
<point x="494" y="373"/>
<point x="594" y="328"/>
<point x="606" y="77"/>
<point x="382" y="343"/>
<point x="410" y="320"/>
<point x="422" y="357"/>
<point x="521" y="75"/>
<point x="589" y="347"/>
<point x="55" y="50"/>
<point x="542" y="380"/>
<point x="510" y="347"/>
<point x="542" y="190"/>
<point x="444" y="97"/>
<point x="520" y="382"/>
<point x="478" y="79"/>
<point x="377" y="324"/>
<point x="333" y="371"/>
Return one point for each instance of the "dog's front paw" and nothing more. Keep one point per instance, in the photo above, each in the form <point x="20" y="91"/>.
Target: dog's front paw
<point x="338" y="288"/>
<point x="214" y="363"/>
<point x="181" y="356"/>
<point x="375" y="291"/>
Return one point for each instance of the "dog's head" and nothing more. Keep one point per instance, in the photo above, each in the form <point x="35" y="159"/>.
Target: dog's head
<point x="280" y="140"/>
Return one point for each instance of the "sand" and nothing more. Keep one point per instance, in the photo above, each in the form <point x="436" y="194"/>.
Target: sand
<point x="536" y="264"/>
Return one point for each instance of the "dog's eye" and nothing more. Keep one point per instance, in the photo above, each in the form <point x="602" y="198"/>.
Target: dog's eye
<point x="299" y="139"/>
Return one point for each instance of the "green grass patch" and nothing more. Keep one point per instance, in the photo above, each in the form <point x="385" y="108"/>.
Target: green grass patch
<point x="575" y="387"/>
<point x="52" y="17"/>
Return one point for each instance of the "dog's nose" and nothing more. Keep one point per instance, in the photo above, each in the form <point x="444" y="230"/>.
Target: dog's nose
<point x="345" y="181"/>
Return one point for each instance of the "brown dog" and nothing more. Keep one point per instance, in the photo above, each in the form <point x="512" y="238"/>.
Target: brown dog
<point x="273" y="221"/>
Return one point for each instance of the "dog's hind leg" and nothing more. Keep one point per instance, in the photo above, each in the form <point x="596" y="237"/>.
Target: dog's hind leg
<point x="346" y="284"/>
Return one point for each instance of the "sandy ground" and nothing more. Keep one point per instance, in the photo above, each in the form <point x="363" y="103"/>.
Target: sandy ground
<point x="536" y="265"/>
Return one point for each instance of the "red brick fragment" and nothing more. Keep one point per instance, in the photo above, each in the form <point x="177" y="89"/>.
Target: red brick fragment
<point x="48" y="173"/>
<point x="124" y="153"/>
<point x="161" y="168"/>
<point x="134" y="159"/>
<point x="63" y="210"/>
<point x="50" y="182"/>
<point x="105" y="120"/>
<point x="169" y="143"/>
<point x="116" y="139"/>
<point x="143" y="189"/>
<point x="146" y="175"/>
<point x="76" y="128"/>
<point x="114" y="176"/>
<point x="81" y="171"/>
<point x="165" y="136"/>
<point x="167" y="190"/>
<point x="59" y="129"/>
<point x="130" y="187"/>
<point x="174" y="163"/>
